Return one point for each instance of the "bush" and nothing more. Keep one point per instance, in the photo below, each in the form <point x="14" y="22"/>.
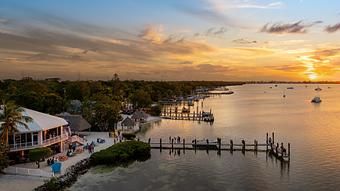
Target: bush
<point x="39" y="153"/>
<point x="156" y="110"/>
<point x="3" y="157"/>
<point x="52" y="184"/>
<point x="121" y="154"/>
<point x="129" y="136"/>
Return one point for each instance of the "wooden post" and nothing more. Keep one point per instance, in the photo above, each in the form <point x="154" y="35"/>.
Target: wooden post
<point x="266" y="141"/>
<point x="288" y="151"/>
<point x="231" y="145"/>
<point x="273" y="142"/>
<point x="149" y="141"/>
<point x="207" y="144"/>
<point x="195" y="144"/>
<point x="243" y="145"/>
<point x="219" y="144"/>
<point x="172" y="144"/>
<point x="160" y="143"/>
<point x="183" y="144"/>
<point x="255" y="145"/>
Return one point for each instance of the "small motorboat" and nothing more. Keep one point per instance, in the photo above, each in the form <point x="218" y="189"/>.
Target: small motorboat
<point x="207" y="116"/>
<point x="185" y="110"/>
<point x="316" y="100"/>
<point x="318" y="89"/>
<point x="204" y="144"/>
<point x="290" y="88"/>
<point x="228" y="92"/>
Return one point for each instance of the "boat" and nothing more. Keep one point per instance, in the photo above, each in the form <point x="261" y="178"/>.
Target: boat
<point x="228" y="92"/>
<point x="207" y="116"/>
<point x="318" y="89"/>
<point x="185" y="110"/>
<point x="290" y="88"/>
<point x="316" y="99"/>
<point x="204" y="144"/>
<point x="190" y="102"/>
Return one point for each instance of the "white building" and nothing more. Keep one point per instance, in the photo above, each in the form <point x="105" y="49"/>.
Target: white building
<point x="44" y="131"/>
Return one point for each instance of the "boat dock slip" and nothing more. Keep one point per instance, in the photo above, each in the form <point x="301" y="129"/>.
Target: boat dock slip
<point x="175" y="114"/>
<point x="277" y="150"/>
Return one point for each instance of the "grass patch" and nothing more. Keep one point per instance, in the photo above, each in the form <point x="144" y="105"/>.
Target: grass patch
<point x="121" y="154"/>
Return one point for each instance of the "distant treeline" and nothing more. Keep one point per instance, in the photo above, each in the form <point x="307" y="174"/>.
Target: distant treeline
<point x="291" y="82"/>
<point x="53" y="95"/>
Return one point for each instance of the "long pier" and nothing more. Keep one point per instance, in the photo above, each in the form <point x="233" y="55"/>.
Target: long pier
<point x="275" y="149"/>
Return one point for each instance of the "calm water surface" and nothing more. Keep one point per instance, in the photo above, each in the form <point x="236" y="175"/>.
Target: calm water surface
<point x="313" y="131"/>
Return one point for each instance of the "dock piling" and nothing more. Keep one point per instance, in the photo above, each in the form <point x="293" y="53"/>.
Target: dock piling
<point x="172" y="144"/>
<point x="288" y="151"/>
<point x="219" y="144"/>
<point x="243" y="145"/>
<point x="183" y="144"/>
<point x="160" y="143"/>
<point x="266" y="141"/>
<point x="231" y="145"/>
<point x="149" y="141"/>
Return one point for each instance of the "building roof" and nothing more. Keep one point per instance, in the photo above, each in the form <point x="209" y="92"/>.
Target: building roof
<point x="77" y="122"/>
<point x="41" y="121"/>
<point x="128" y="122"/>
<point x="139" y="115"/>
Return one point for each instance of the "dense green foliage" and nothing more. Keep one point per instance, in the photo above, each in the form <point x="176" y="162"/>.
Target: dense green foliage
<point x="3" y="157"/>
<point x="121" y="154"/>
<point x="100" y="101"/>
<point x="52" y="184"/>
<point x="10" y="118"/>
<point x="39" y="153"/>
<point x="129" y="136"/>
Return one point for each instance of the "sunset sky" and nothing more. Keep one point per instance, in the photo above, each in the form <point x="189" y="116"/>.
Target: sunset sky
<point x="171" y="39"/>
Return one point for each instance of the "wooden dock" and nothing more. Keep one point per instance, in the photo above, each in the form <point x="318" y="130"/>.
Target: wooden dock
<point x="270" y="147"/>
<point x="175" y="114"/>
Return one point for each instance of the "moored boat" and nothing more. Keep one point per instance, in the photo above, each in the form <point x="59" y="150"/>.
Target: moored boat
<point x="318" y="89"/>
<point x="316" y="100"/>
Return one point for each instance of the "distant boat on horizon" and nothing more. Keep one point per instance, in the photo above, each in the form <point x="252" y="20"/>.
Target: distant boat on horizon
<point x="290" y="88"/>
<point x="318" y="89"/>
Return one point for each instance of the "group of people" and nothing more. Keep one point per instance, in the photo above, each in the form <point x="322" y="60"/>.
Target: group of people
<point x="90" y="147"/>
<point x="51" y="161"/>
<point x="175" y="139"/>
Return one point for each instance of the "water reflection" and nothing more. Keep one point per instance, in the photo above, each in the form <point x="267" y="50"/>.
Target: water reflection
<point x="312" y="129"/>
<point x="270" y="158"/>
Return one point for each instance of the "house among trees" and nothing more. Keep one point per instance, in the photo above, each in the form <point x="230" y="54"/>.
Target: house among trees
<point x="128" y="123"/>
<point x="139" y="116"/>
<point x="43" y="131"/>
<point x="76" y="122"/>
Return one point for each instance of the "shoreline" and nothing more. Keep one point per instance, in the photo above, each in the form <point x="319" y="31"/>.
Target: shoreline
<point x="27" y="183"/>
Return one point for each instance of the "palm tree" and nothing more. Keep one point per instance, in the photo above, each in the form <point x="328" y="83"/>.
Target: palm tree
<point x="10" y="118"/>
